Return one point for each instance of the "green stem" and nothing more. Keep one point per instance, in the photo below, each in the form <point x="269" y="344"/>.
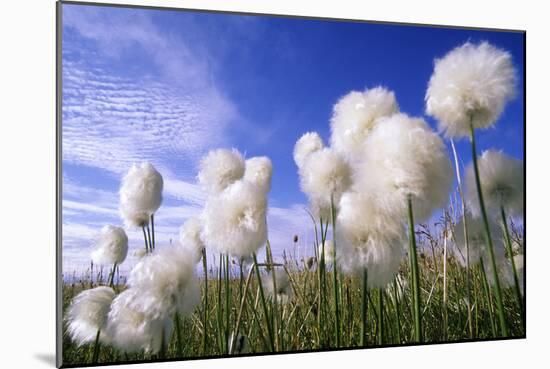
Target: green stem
<point x="227" y="303"/>
<point x="95" y="356"/>
<point x="112" y="276"/>
<point x="334" y="274"/>
<point x="179" y="344"/>
<point x="219" y="306"/>
<point x="380" y="313"/>
<point x="487" y="297"/>
<point x="145" y="239"/>
<point x="516" y="279"/>
<point x="205" y="267"/>
<point x="153" y="229"/>
<point x="498" y="291"/>
<point x="397" y="319"/>
<point x="151" y="248"/>
<point x="364" y="307"/>
<point x="415" y="276"/>
<point x="264" y="304"/>
<point x="465" y="229"/>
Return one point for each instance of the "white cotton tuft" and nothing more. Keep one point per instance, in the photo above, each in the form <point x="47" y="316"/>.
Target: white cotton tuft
<point x="478" y="248"/>
<point x="307" y="144"/>
<point x="190" y="237"/>
<point x="369" y="238"/>
<point x="220" y="168"/>
<point x="87" y="314"/>
<point x="355" y="115"/>
<point x="501" y="178"/>
<point x="284" y="289"/>
<point x="329" y="251"/>
<point x="111" y="246"/>
<point x="404" y="157"/>
<point x="325" y="176"/>
<point x="166" y="280"/>
<point x="235" y="220"/>
<point x="132" y="329"/>
<point x="258" y="171"/>
<point x="140" y="194"/>
<point x="472" y="82"/>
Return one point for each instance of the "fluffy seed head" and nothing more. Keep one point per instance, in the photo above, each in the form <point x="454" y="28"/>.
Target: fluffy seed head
<point x="258" y="171"/>
<point x="190" y="237"/>
<point x="355" y="115"/>
<point x="501" y="178"/>
<point x="220" y="168"/>
<point x="404" y="157"/>
<point x="88" y="313"/>
<point x="166" y="281"/>
<point x="369" y="238"/>
<point x="111" y="246"/>
<point x="478" y="249"/>
<point x="472" y="82"/>
<point x="307" y="144"/>
<point x="235" y="220"/>
<point x="477" y="246"/>
<point x="140" y="194"/>
<point x="132" y="329"/>
<point x="325" y="175"/>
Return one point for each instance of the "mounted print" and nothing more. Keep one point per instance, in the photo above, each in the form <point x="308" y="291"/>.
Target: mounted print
<point x="238" y="184"/>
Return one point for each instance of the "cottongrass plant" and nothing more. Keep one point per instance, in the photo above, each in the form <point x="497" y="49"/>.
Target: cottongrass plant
<point x="162" y="288"/>
<point x="324" y="176"/>
<point x="501" y="178"/>
<point x="468" y="90"/>
<point x="87" y="317"/>
<point x="235" y="218"/>
<point x="371" y="244"/>
<point x="111" y="248"/>
<point x="140" y="197"/>
<point x="191" y="240"/>
<point x="408" y="170"/>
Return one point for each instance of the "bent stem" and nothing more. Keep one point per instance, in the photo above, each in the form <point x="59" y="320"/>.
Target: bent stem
<point x="498" y="291"/>
<point x="509" y="250"/>
<point x="414" y="276"/>
<point x="112" y="276"/>
<point x="96" y="348"/>
<point x="145" y="239"/>
<point x="238" y="324"/>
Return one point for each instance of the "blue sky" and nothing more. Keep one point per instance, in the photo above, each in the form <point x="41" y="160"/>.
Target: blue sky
<point x="167" y="86"/>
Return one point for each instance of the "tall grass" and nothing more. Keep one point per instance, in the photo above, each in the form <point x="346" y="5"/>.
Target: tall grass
<point x="308" y="320"/>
